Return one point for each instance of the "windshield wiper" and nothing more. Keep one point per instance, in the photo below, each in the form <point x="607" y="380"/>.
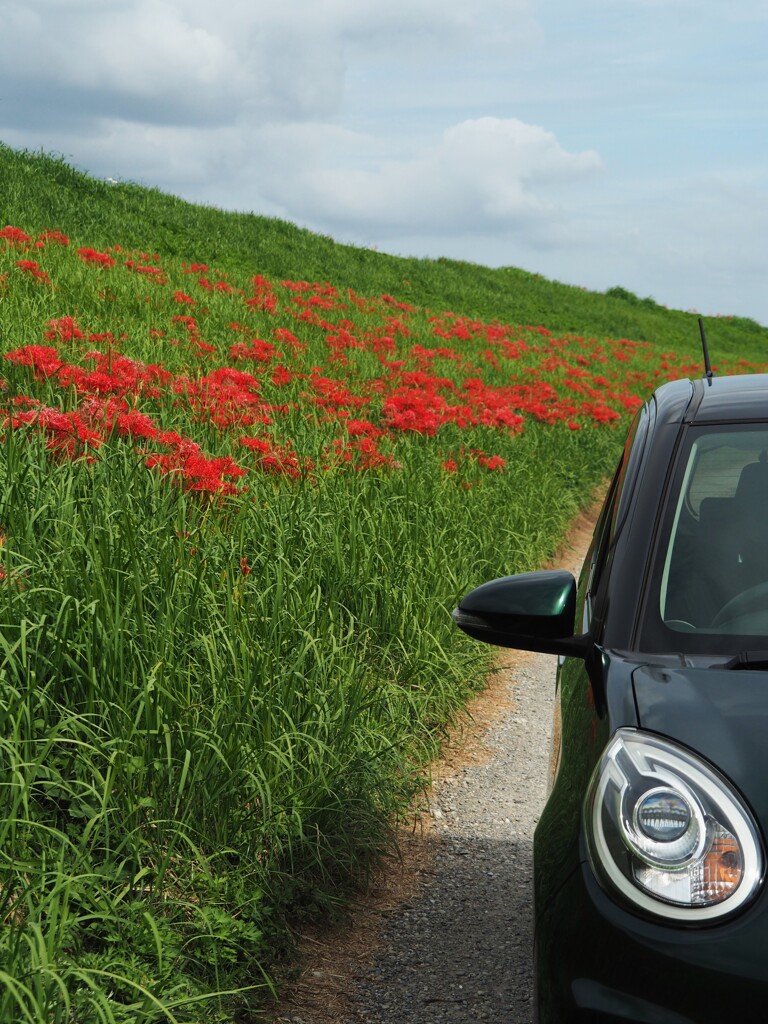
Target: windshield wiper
<point x="748" y="660"/>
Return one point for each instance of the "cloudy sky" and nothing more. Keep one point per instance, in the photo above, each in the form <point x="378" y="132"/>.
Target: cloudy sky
<point x="598" y="142"/>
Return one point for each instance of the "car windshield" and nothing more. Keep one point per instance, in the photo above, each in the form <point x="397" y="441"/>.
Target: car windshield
<point x="709" y="585"/>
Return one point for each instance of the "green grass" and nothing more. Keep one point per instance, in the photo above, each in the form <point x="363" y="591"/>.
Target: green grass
<point x="215" y="705"/>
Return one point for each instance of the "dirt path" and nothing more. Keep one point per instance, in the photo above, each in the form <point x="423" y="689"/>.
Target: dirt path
<point x="445" y="934"/>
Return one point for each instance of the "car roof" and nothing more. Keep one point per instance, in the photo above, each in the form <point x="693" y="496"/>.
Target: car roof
<point x="740" y="398"/>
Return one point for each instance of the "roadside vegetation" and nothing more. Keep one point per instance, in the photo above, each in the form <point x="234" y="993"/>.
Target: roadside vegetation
<point x="245" y="474"/>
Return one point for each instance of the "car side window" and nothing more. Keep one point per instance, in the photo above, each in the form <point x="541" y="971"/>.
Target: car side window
<point x="613" y="515"/>
<point x="597" y="556"/>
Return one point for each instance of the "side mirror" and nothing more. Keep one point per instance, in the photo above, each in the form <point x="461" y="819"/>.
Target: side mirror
<point x="532" y="611"/>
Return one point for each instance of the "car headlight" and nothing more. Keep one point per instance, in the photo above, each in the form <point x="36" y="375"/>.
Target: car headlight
<point x="669" y="832"/>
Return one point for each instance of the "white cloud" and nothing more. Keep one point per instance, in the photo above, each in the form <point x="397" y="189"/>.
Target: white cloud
<point x="486" y="172"/>
<point x="190" y="62"/>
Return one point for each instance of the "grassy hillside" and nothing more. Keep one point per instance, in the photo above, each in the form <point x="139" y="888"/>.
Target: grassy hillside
<point x="41" y="191"/>
<point x="245" y="474"/>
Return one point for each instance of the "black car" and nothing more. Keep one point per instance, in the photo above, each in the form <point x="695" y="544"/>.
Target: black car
<point x="650" y="855"/>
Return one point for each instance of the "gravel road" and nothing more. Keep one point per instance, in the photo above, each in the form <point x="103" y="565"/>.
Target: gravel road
<point x="455" y="944"/>
<point x="461" y="950"/>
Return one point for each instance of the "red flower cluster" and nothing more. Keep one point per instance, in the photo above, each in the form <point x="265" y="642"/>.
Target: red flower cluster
<point x="15" y="236"/>
<point x="261" y="365"/>
<point x="360" y="453"/>
<point x="33" y="268"/>
<point x="276" y="459"/>
<point x="103" y="259"/>
<point x="66" y="434"/>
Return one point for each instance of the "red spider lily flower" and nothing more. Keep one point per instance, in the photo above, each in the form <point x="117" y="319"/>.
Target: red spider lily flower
<point x="630" y="402"/>
<point x="328" y="392"/>
<point x="66" y="433"/>
<point x="264" y="298"/>
<point x="92" y="256"/>
<point x="263" y="303"/>
<point x="135" y="424"/>
<point x="492" y="462"/>
<point x="360" y="454"/>
<point x="188" y="322"/>
<point x="106" y="338"/>
<point x="197" y="468"/>
<point x="419" y="379"/>
<point x="113" y="414"/>
<point x="182" y="297"/>
<point x="63" y="329"/>
<point x="281" y="376"/>
<point x="380" y="343"/>
<point x="600" y="413"/>
<point x="15" y="236"/>
<point x="422" y="411"/>
<point x="195" y="471"/>
<point x="324" y="289"/>
<point x="203" y="346"/>
<point x="52" y="235"/>
<point x="153" y="273"/>
<point x="363" y="428"/>
<point x="257" y="350"/>
<point x="224" y="381"/>
<point x="114" y="374"/>
<point x="396" y="326"/>
<point x="30" y="267"/>
<point x="426" y="355"/>
<point x="391" y="301"/>
<point x="316" y="301"/>
<point x="44" y="361"/>
<point x="393" y="365"/>
<point x="226" y="398"/>
<point x="22" y="400"/>
<point x="223" y="286"/>
<point x="276" y="459"/>
<point x="288" y="338"/>
<point x="342" y="339"/>
<point x="450" y="466"/>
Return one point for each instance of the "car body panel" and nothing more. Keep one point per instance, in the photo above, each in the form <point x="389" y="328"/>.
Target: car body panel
<point x="621" y="967"/>
<point x="578" y="742"/>
<point x="727" y="398"/>
<point x="722" y="715"/>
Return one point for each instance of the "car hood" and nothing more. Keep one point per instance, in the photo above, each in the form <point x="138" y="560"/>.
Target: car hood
<point x="721" y="714"/>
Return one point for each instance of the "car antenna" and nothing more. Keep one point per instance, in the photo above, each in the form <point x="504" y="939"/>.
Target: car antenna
<point x="708" y="372"/>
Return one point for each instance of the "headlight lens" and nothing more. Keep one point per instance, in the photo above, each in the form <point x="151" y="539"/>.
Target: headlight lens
<point x="669" y="832"/>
